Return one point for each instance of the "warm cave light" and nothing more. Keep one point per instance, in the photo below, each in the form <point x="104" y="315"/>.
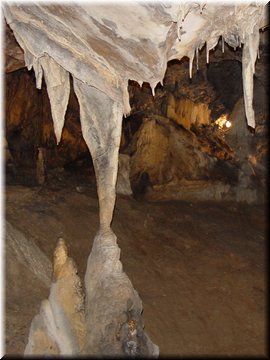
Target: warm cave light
<point x="222" y="121"/>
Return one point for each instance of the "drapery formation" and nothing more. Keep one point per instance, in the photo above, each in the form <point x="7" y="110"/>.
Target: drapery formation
<point x="103" y="47"/>
<point x="106" y="45"/>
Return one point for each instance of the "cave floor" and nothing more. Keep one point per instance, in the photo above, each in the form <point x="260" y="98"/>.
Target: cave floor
<point x="198" y="267"/>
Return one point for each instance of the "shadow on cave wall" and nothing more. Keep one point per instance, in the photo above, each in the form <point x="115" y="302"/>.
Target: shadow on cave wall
<point x="29" y="127"/>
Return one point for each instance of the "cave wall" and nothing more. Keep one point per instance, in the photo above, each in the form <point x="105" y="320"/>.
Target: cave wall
<point x="29" y="127"/>
<point x="178" y="150"/>
<point x="175" y="148"/>
<point x="23" y="116"/>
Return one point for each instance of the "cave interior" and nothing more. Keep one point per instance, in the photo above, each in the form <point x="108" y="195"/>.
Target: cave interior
<point x="192" y="177"/>
<point x="191" y="136"/>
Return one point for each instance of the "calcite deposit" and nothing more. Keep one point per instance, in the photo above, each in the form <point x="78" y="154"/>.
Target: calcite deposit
<point x="102" y="47"/>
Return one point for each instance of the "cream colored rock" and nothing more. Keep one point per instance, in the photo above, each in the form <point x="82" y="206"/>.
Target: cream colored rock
<point x="185" y="112"/>
<point x="107" y="323"/>
<point x="103" y="47"/>
<point x="114" y="309"/>
<point x="151" y="152"/>
<point x="167" y="153"/>
<point x="59" y="328"/>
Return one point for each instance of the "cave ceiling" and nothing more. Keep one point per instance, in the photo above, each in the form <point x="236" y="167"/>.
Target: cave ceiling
<point x="101" y="48"/>
<point x="105" y="46"/>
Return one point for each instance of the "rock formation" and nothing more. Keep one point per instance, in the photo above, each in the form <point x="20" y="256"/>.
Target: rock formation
<point x="102" y="48"/>
<point x="60" y="328"/>
<point x="28" y="254"/>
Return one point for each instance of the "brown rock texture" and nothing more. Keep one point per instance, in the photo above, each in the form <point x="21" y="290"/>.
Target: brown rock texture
<point x="29" y="127"/>
<point x="14" y="56"/>
<point x="161" y="151"/>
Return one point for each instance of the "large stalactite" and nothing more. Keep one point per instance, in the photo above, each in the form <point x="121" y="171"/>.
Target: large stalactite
<point x="103" y="47"/>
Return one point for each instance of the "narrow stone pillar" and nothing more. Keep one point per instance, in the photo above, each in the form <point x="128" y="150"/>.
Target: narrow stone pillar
<point x="101" y="121"/>
<point x="41" y="166"/>
<point x="113" y="307"/>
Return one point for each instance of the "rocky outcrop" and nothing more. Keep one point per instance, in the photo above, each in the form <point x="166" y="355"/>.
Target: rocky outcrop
<point x="59" y="328"/>
<point x="212" y="157"/>
<point x="106" y="321"/>
<point x="187" y="113"/>
<point x="171" y="162"/>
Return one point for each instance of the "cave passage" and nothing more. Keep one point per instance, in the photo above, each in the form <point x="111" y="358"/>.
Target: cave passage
<point x="189" y="168"/>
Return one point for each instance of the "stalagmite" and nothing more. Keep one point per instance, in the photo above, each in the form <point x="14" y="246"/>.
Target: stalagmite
<point x="113" y="320"/>
<point x="41" y="166"/>
<point x="59" y="328"/>
<point x="102" y="48"/>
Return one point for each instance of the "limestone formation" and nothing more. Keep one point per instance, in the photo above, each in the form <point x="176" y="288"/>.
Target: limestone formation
<point x="185" y="112"/>
<point x="102" y="47"/>
<point x="172" y="162"/>
<point x="164" y="32"/>
<point x="114" y="323"/>
<point x="111" y="325"/>
<point x="59" y="328"/>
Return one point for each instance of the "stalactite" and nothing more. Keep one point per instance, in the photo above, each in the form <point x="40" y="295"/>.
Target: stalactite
<point x="100" y="70"/>
<point x="58" y="88"/>
<point x="222" y="42"/>
<point x="191" y="58"/>
<point x="249" y="55"/>
<point x="207" y="53"/>
<point x="197" y="58"/>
